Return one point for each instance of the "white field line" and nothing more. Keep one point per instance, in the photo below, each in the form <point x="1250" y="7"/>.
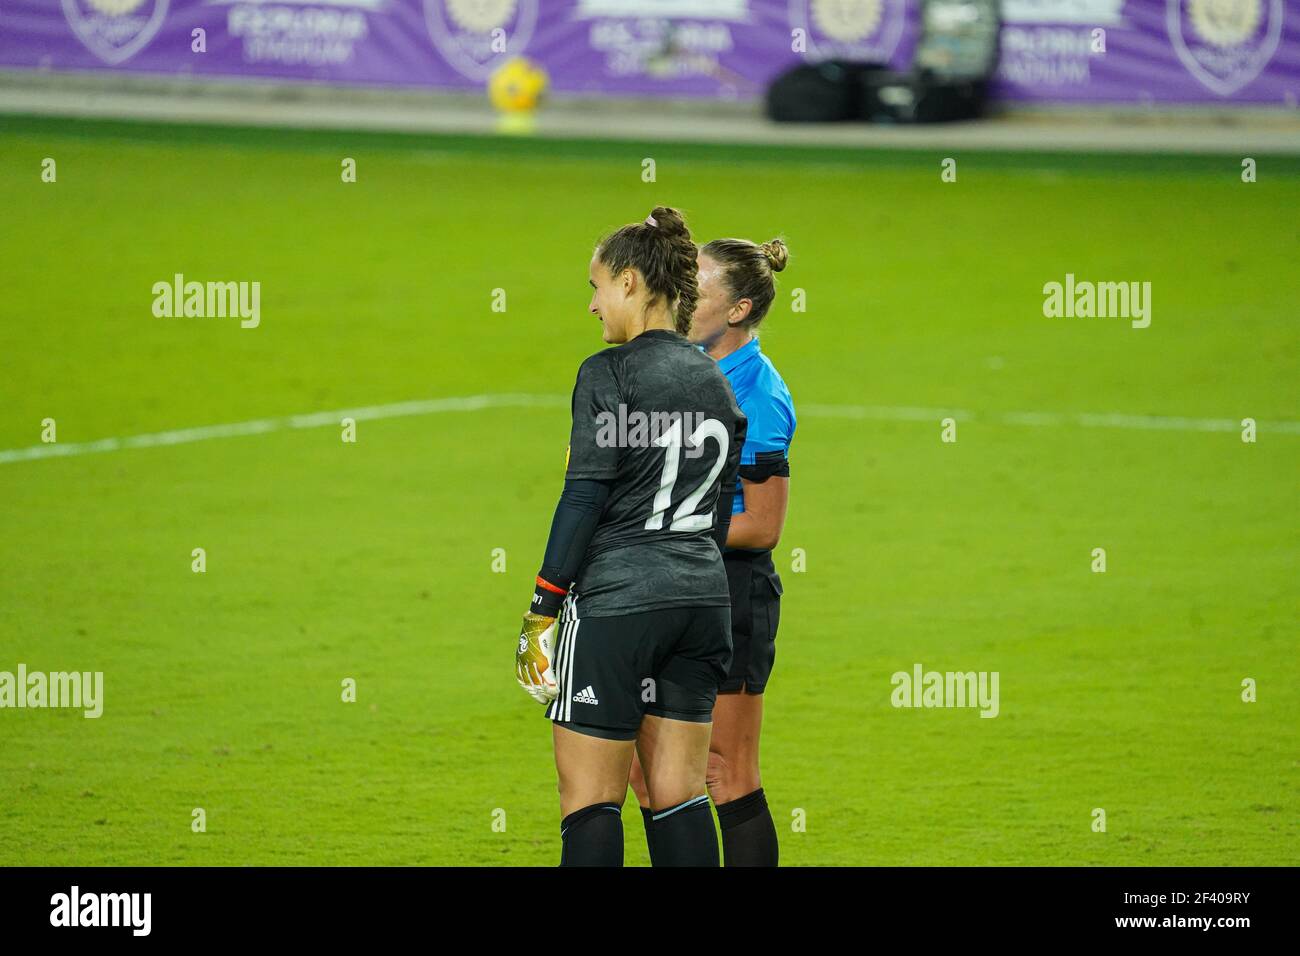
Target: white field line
<point x="261" y="426"/>
<point x="473" y="403"/>
<point x="1056" y="419"/>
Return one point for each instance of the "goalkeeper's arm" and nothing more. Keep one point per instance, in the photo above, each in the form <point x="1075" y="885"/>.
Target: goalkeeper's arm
<point x="572" y="528"/>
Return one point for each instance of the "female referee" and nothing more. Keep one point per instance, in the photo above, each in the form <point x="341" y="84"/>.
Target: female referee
<point x="736" y="289"/>
<point x="633" y="559"/>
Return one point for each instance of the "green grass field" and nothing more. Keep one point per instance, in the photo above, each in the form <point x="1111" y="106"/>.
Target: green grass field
<point x="328" y="560"/>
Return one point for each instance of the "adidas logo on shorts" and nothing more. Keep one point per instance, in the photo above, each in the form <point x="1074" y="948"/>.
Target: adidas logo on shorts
<point x="586" y="696"/>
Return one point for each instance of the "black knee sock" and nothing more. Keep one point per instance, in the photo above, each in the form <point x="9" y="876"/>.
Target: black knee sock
<point x="683" y="835"/>
<point x="748" y="833"/>
<point x="647" y="817"/>
<point x="593" y="836"/>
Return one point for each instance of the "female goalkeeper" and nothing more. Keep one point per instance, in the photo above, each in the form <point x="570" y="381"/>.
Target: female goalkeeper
<point x="633" y="558"/>
<point x="737" y="287"/>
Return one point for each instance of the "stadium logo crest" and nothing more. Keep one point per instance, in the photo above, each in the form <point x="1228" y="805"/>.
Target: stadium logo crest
<point x="1225" y="43"/>
<point x="474" y="34"/>
<point x="115" y="30"/>
<point x="850" y="29"/>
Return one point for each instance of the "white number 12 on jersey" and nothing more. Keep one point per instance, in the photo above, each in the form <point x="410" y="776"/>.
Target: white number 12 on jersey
<point x="684" y="518"/>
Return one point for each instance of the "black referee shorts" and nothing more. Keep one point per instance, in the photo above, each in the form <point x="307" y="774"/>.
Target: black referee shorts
<point x="612" y="671"/>
<point x="755" y="614"/>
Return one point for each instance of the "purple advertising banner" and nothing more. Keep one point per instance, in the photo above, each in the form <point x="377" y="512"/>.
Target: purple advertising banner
<point x="1105" y="51"/>
<point x="1153" y="51"/>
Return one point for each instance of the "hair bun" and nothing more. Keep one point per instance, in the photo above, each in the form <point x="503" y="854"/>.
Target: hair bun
<point x="661" y="249"/>
<point x="669" y="221"/>
<point x="776" y="253"/>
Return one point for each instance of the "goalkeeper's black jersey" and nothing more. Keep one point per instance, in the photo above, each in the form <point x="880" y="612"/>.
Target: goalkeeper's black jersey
<point x="656" y="418"/>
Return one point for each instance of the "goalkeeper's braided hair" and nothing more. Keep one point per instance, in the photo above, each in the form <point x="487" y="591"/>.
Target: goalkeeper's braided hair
<point x="749" y="272"/>
<point x="661" y="249"/>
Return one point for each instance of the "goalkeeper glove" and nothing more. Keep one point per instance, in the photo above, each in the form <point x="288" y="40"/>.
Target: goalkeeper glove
<point x="534" y="656"/>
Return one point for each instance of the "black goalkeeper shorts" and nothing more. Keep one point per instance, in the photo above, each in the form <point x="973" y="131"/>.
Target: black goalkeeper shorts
<point x="755" y="614"/>
<point x="612" y="671"/>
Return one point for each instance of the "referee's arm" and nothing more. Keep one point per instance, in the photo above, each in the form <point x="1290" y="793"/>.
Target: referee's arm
<point x="759" y="526"/>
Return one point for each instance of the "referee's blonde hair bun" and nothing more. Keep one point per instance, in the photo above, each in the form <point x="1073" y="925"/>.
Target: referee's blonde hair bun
<point x="749" y="269"/>
<point x="776" y="253"/>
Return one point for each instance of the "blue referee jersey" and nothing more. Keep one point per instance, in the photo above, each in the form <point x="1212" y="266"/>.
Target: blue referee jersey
<point x="766" y="402"/>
